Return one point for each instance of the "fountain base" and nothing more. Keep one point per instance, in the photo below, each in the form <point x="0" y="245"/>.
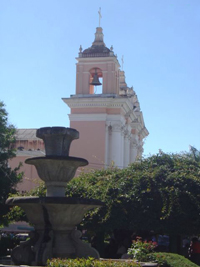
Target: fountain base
<point x="54" y="217"/>
<point x="55" y="235"/>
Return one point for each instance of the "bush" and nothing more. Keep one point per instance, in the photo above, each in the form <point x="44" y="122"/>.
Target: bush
<point x="90" y="263"/>
<point x="171" y="260"/>
<point x="140" y="250"/>
<point x="163" y="260"/>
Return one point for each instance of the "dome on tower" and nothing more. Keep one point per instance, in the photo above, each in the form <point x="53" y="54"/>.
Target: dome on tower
<point x="98" y="48"/>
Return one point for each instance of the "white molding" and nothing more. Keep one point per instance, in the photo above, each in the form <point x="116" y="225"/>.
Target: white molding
<point x="113" y="118"/>
<point x="97" y="60"/>
<point x="101" y="101"/>
<point x="30" y="153"/>
<point x="107" y="101"/>
<point x="87" y="117"/>
<point x="109" y="119"/>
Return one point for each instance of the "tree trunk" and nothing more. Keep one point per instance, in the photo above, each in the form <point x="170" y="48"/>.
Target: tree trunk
<point x="100" y="243"/>
<point x="175" y="244"/>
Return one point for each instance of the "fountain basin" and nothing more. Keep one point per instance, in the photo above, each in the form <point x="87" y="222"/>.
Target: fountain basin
<point x="57" y="140"/>
<point x="57" y="212"/>
<point x="56" y="172"/>
<point x="56" y="168"/>
<point x="54" y="220"/>
<point x="54" y="217"/>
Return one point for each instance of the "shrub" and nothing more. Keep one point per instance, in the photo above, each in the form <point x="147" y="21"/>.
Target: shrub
<point x="171" y="260"/>
<point x="90" y="263"/>
<point x="140" y="250"/>
<point x="163" y="260"/>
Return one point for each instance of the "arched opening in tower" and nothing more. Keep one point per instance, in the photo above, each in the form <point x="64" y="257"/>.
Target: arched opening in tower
<point x="96" y="81"/>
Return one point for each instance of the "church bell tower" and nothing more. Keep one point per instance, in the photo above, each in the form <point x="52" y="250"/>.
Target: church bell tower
<point x="104" y="110"/>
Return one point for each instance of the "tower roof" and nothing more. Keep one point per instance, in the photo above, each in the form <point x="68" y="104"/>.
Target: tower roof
<point x="98" y="48"/>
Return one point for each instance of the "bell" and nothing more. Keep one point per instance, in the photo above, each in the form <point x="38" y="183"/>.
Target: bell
<point x="95" y="80"/>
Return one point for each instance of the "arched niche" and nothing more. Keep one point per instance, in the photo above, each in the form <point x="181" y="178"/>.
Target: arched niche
<point x="96" y="89"/>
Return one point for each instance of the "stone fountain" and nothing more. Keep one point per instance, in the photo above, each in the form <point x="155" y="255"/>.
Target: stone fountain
<point x="55" y="216"/>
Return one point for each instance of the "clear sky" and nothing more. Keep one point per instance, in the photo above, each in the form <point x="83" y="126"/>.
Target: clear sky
<point x="160" y="42"/>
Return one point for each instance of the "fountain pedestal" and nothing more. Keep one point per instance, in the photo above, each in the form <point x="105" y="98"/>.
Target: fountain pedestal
<point x="55" y="216"/>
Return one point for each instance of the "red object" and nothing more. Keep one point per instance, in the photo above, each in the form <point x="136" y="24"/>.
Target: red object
<point x="195" y="247"/>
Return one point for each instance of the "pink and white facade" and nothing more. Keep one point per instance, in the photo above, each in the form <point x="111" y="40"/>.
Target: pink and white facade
<point x="27" y="146"/>
<point x="110" y="123"/>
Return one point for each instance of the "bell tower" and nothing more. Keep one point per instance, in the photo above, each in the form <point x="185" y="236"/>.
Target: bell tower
<point x="97" y="62"/>
<point x="110" y="123"/>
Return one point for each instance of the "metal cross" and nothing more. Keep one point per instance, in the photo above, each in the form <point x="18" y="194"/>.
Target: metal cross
<point x="122" y="62"/>
<point x="100" y="16"/>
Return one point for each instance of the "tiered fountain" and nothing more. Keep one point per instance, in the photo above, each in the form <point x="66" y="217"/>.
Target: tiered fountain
<point x="55" y="216"/>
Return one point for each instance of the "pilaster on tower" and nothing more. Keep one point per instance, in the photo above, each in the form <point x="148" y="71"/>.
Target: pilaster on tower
<point x="110" y="123"/>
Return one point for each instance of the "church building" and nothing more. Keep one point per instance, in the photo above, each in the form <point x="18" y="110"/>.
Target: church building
<point x="104" y="110"/>
<point x="109" y="121"/>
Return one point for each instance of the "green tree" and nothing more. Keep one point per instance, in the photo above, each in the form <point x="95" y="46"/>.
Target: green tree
<point x="160" y="193"/>
<point x="195" y="153"/>
<point x="8" y="177"/>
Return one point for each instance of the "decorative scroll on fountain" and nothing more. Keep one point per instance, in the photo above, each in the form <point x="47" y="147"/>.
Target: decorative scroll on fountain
<point x="55" y="216"/>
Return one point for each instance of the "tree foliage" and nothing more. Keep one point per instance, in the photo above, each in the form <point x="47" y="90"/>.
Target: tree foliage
<point x="159" y="193"/>
<point x="8" y="177"/>
<point x="195" y="153"/>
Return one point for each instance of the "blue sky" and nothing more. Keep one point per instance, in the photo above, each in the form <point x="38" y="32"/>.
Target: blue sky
<point x="160" y="42"/>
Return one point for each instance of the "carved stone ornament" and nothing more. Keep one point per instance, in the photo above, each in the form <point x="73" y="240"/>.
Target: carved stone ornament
<point x="116" y="127"/>
<point x="83" y="249"/>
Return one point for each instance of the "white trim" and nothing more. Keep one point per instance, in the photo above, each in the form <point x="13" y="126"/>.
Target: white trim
<point x="107" y="101"/>
<point x="108" y="118"/>
<point x="87" y="117"/>
<point x="30" y="153"/>
<point x="113" y="118"/>
<point x="98" y="60"/>
<point x="101" y="101"/>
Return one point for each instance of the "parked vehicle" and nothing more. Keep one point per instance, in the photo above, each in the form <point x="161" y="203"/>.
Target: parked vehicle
<point x="22" y="236"/>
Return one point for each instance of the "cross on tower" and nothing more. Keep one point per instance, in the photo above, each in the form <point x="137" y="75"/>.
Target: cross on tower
<point x="100" y="16"/>
<point x="122" y="62"/>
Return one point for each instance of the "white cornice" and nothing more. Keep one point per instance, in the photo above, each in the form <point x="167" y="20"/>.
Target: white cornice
<point x="98" y="117"/>
<point x="87" y="117"/>
<point x="89" y="60"/>
<point x="107" y="102"/>
<point x="144" y="132"/>
<point x="114" y="118"/>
